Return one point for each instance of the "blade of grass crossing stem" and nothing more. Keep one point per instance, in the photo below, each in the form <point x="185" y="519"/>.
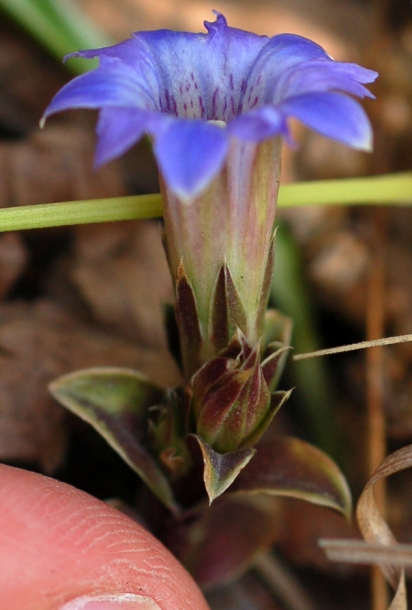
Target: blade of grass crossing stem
<point x="390" y="189"/>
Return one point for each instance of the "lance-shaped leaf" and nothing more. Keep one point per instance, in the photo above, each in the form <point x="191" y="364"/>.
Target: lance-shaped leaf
<point x="220" y="470"/>
<point x="290" y="467"/>
<point x="115" y="402"/>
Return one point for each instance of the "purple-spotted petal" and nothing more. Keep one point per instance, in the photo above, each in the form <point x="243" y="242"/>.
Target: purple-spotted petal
<point x="202" y="75"/>
<point x="334" y="115"/>
<point x="250" y="82"/>
<point x="190" y="153"/>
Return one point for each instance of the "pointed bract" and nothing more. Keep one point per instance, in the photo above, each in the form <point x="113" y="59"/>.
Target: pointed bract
<point x="220" y="470"/>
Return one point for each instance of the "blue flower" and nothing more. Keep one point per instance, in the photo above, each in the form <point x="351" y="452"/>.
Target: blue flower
<point x="193" y="93"/>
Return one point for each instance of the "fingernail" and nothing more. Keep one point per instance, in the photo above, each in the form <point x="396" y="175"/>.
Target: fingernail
<point x="127" y="601"/>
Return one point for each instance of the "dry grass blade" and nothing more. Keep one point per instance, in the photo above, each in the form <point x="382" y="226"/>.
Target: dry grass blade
<point x="381" y="546"/>
<point x="354" y="347"/>
<point x="375" y="530"/>
<point x="361" y="552"/>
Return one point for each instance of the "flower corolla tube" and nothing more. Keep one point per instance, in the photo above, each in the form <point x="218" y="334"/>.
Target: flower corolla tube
<point x="193" y="92"/>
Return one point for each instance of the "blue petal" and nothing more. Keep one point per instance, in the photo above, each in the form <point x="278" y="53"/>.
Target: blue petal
<point x="283" y="69"/>
<point x="117" y="130"/>
<point x="258" y="125"/>
<point x="116" y="85"/>
<point x="323" y="75"/>
<point x="190" y="154"/>
<point x="202" y="75"/>
<point x="332" y="114"/>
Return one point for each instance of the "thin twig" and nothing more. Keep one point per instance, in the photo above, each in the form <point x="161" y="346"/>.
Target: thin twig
<point x="376" y="428"/>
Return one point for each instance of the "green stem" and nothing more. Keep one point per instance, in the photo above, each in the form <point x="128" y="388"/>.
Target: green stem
<point x="393" y="189"/>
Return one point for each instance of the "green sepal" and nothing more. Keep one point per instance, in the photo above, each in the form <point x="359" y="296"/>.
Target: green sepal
<point x="227" y="310"/>
<point x="277" y="399"/>
<point x="266" y="286"/>
<point x="230" y="399"/>
<point x="116" y="402"/>
<point x="220" y="470"/>
<point x="188" y="323"/>
<point x="290" y="467"/>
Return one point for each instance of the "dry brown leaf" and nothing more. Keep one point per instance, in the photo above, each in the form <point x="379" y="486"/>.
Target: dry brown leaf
<point x="376" y="531"/>
<point x="13" y="259"/>
<point x="122" y="274"/>
<point x="55" y="164"/>
<point x="38" y="343"/>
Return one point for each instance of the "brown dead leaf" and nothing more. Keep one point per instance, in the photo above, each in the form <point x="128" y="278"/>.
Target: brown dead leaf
<point x="39" y="342"/>
<point x="394" y="557"/>
<point x="55" y="164"/>
<point x="122" y="274"/>
<point x="13" y="259"/>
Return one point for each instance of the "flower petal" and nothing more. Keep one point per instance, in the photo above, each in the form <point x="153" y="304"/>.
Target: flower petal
<point x="261" y="124"/>
<point x="117" y="130"/>
<point x="279" y="54"/>
<point x="334" y="115"/>
<point x="116" y="85"/>
<point x="323" y="75"/>
<point x="190" y="153"/>
<point x="292" y="65"/>
<point x="202" y="75"/>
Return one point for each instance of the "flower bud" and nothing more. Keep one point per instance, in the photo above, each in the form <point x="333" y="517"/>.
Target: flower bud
<point x="230" y="400"/>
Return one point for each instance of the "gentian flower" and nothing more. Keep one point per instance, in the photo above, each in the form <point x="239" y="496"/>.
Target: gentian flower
<point x="216" y="106"/>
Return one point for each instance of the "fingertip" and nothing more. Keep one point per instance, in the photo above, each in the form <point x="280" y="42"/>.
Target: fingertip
<point x="58" y="543"/>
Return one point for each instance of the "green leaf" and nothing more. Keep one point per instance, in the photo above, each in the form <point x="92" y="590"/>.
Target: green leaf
<point x="220" y="470"/>
<point x="291" y="467"/>
<point x="61" y="26"/>
<point x="115" y="402"/>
